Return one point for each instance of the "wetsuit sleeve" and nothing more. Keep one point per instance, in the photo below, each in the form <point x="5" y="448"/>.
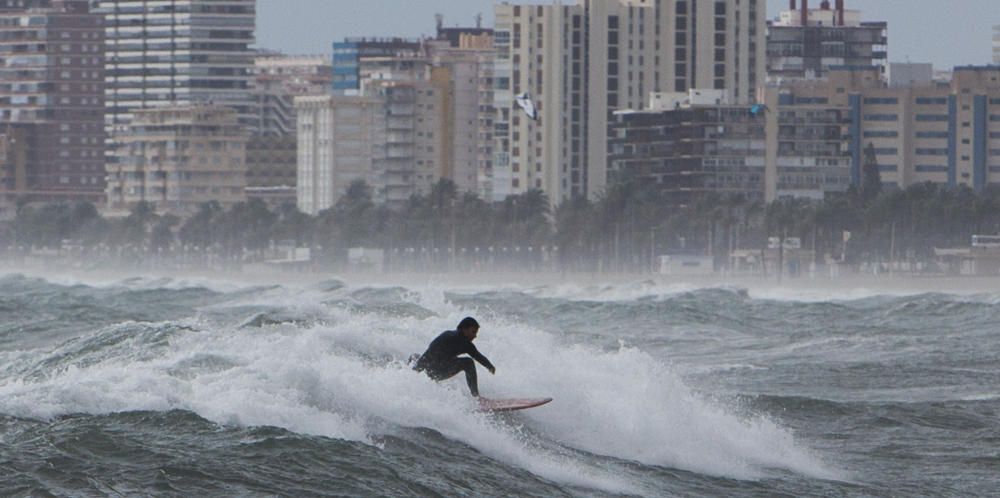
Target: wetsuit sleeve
<point x="473" y="352"/>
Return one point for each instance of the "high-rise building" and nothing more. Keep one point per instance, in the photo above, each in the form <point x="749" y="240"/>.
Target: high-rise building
<point x="337" y="136"/>
<point x="178" y="52"/>
<point x="52" y="99"/>
<point x="277" y="80"/>
<point x="807" y="43"/>
<point x="417" y="113"/>
<point x="577" y="63"/>
<point x="462" y="64"/>
<point x="271" y="152"/>
<point x="946" y="133"/>
<point x="348" y="54"/>
<point x="178" y="158"/>
<point x="690" y="147"/>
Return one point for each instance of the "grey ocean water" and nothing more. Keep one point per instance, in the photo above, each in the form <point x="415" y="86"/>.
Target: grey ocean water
<point x="174" y="387"/>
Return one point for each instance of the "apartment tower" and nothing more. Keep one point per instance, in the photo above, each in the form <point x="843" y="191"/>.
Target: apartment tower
<point x="580" y="62"/>
<point x="180" y="52"/>
<point x="51" y="101"/>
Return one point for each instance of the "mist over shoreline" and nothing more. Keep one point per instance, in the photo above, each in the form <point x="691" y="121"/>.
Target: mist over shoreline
<point x="807" y="288"/>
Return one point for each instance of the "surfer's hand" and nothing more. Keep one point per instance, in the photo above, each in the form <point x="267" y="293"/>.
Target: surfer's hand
<point x="493" y="370"/>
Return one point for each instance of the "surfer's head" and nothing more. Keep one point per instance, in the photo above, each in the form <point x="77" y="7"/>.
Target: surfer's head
<point x="468" y="327"/>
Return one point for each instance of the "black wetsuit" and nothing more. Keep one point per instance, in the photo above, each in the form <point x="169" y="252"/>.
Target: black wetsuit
<point x="441" y="360"/>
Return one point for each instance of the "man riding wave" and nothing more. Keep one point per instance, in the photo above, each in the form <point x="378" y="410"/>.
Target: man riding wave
<point x="441" y="360"/>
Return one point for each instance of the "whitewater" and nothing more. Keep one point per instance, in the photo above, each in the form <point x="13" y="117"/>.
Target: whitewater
<point x="207" y="386"/>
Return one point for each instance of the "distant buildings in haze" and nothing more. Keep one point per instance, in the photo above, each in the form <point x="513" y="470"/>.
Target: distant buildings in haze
<point x="177" y="158"/>
<point x="51" y="102"/>
<point x="581" y="61"/>
<point x="693" y="95"/>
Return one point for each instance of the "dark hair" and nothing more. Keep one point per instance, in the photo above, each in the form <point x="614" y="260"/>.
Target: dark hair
<point x="467" y="322"/>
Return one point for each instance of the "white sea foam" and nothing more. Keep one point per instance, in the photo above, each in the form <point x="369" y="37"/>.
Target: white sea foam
<point x="344" y="378"/>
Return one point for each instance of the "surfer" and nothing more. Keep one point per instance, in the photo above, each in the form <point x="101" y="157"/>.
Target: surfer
<point x="441" y="360"/>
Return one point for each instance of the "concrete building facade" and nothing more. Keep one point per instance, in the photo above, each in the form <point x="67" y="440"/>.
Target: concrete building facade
<point x="808" y="152"/>
<point x="463" y="62"/>
<point x="411" y="119"/>
<point x="52" y="100"/>
<point x="582" y="61"/>
<point x="178" y="52"/>
<point x="178" y="158"/>
<point x="946" y="133"/>
<point x="690" y="149"/>
<point x="277" y="80"/>
<point x="272" y="168"/>
<point x="805" y="43"/>
<point x="337" y="140"/>
<point x="348" y="55"/>
<point x="794" y="146"/>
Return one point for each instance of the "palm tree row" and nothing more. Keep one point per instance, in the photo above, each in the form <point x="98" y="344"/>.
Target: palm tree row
<point x="623" y="230"/>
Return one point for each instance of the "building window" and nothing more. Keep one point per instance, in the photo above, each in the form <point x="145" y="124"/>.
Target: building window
<point x="881" y="117"/>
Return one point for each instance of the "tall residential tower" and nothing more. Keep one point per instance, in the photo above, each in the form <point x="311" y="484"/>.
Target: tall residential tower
<point x="51" y="100"/>
<point x="577" y="63"/>
<point x="178" y="52"/>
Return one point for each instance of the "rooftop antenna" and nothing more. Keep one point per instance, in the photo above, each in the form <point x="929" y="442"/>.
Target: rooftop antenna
<point x="479" y="20"/>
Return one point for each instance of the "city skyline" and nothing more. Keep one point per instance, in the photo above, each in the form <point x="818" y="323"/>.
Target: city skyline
<point x="311" y="28"/>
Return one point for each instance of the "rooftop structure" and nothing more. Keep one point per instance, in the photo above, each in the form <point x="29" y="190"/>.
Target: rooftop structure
<point x="806" y="43"/>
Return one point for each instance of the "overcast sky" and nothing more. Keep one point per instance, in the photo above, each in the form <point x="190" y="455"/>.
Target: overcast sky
<point x="945" y="32"/>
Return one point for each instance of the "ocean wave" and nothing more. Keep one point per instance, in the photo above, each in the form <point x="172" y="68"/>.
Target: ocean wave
<point x="331" y="378"/>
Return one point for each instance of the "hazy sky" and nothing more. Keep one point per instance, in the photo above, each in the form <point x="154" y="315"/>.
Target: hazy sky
<point x="945" y="32"/>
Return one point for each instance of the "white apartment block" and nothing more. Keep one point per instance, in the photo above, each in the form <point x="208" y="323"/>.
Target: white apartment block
<point x="337" y="135"/>
<point x="167" y="52"/>
<point x="581" y="61"/>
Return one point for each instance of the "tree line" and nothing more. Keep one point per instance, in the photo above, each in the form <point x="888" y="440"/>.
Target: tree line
<point x="625" y="229"/>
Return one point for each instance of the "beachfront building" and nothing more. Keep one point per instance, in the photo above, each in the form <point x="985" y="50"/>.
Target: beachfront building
<point x="463" y="62"/>
<point x="946" y="133"/>
<point x="178" y="52"/>
<point x="694" y="144"/>
<point x="689" y="145"/>
<point x="576" y="63"/>
<point x="277" y="80"/>
<point x="51" y="102"/>
<point x="414" y="117"/>
<point x="178" y="158"/>
<point x="272" y="149"/>
<point x="349" y="54"/>
<point x="337" y="137"/>
<point x="805" y="43"/>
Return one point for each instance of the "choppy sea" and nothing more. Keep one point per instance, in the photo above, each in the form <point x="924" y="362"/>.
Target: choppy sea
<point x="197" y="387"/>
